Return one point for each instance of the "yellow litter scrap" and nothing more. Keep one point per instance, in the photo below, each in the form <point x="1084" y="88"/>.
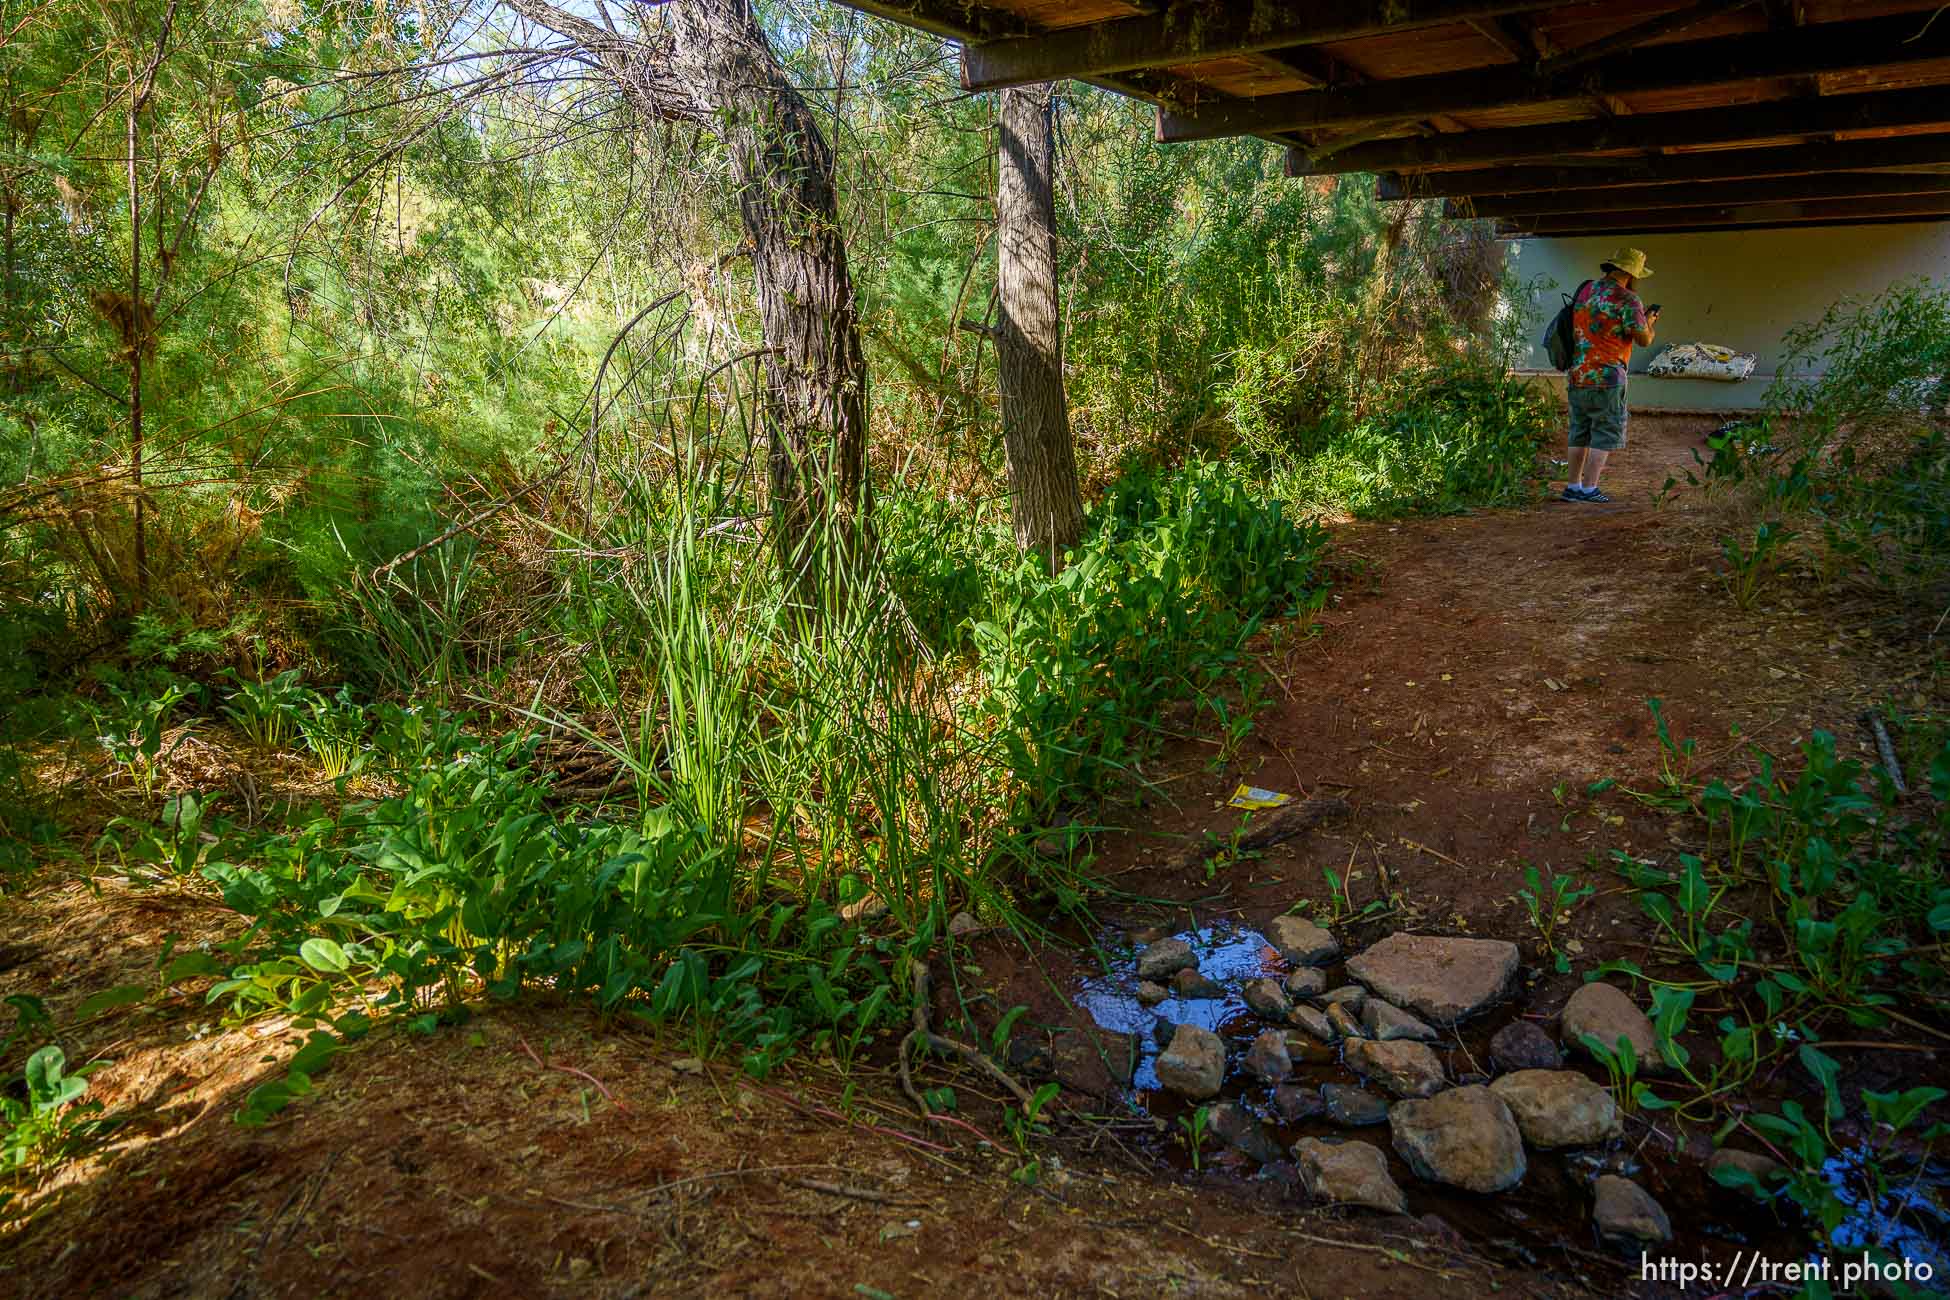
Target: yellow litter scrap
<point x="1251" y="796"/>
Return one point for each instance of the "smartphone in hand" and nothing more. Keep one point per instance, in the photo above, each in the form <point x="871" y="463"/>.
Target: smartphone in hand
<point x="1654" y="309"/>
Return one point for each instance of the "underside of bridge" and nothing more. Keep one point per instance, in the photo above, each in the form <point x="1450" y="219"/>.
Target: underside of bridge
<point x="1551" y="118"/>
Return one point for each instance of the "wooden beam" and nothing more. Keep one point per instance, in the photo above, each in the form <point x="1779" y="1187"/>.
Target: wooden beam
<point x="1638" y="34"/>
<point x="940" y="17"/>
<point x="1189" y="33"/>
<point x="1779" y="189"/>
<point x="1505" y="38"/>
<point x="1515" y="232"/>
<point x="1611" y="173"/>
<point x="1317" y="66"/>
<point x="1792" y="52"/>
<point x="1742" y="215"/>
<point x="1886" y="109"/>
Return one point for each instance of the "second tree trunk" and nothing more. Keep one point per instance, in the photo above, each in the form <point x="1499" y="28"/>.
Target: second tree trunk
<point x="1043" y="491"/>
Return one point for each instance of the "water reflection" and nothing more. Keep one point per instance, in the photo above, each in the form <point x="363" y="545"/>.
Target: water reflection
<point x="1227" y="954"/>
<point x="1911" y="1220"/>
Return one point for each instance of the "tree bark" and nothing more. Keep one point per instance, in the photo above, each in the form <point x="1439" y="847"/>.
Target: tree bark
<point x="816" y="372"/>
<point x="1043" y="491"/>
<point x="711" y="63"/>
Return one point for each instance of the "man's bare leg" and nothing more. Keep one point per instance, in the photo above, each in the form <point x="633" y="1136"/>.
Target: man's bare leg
<point x="1593" y="466"/>
<point x="1577" y="466"/>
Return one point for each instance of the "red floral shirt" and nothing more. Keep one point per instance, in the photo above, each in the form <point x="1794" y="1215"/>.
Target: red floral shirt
<point x="1603" y="323"/>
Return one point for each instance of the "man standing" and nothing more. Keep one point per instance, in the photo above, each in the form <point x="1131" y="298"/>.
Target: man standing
<point x="1607" y="320"/>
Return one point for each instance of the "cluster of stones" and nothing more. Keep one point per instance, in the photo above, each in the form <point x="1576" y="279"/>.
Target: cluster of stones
<point x="1468" y="1133"/>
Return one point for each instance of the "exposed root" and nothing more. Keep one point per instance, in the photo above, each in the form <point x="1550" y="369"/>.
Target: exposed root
<point x="944" y="1046"/>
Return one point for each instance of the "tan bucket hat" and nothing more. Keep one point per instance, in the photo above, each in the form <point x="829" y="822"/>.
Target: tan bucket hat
<point x="1629" y="260"/>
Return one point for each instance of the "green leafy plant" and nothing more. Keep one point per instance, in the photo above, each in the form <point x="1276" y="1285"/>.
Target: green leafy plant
<point x="1621" y="1064"/>
<point x="46" y="1127"/>
<point x="266" y="710"/>
<point x="132" y="732"/>
<point x="1341" y="907"/>
<point x="1023" y="1126"/>
<point x="176" y="846"/>
<point x="1551" y="906"/>
<point x="1675" y="756"/>
<point x="1857" y="1199"/>
<point x="1856" y="907"/>
<point x="1749" y="568"/>
<point x="1195" y="1125"/>
<point x="1229" y="850"/>
<point x="334" y="730"/>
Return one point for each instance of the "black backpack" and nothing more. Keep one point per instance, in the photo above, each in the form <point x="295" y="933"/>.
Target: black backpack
<point x="1560" y="339"/>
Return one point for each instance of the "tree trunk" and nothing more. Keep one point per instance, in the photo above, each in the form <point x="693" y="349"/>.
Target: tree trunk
<point x="816" y="373"/>
<point x="1043" y="491"/>
<point x="136" y="342"/>
<point x="710" y="63"/>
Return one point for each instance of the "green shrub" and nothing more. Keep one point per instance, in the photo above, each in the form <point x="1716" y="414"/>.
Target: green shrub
<point x="1857" y="905"/>
<point x="1464" y="438"/>
<point x="943" y="556"/>
<point x="1855" y="448"/>
<point x="1176" y="575"/>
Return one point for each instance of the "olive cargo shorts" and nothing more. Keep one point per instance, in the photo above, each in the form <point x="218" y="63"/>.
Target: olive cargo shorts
<point x="1598" y="418"/>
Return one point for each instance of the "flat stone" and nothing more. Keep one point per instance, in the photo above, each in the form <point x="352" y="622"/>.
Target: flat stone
<point x="1559" y="1108"/>
<point x="1268" y="1057"/>
<point x="1293" y="1103"/>
<point x="1352" y="1107"/>
<point x="963" y="923"/>
<point x="1191" y="984"/>
<point x="872" y="907"/>
<point x="1345" y="1022"/>
<point x="1440" y="979"/>
<point x="1727" y="1165"/>
<point x="1351" y="996"/>
<point x="1388" y="1022"/>
<point x="1465" y="1137"/>
<point x="1307" y="982"/>
<point x="1091" y="1061"/>
<point x="1150" y="993"/>
<point x="1522" y="1045"/>
<point x="1404" y="1068"/>
<point x="1314" y="1022"/>
<point x="1300" y="942"/>
<point x="1194" y="1065"/>
<point x="1235" y="1126"/>
<point x="1348" y="1173"/>
<point x="1267" y="998"/>
<point x="1159" y="960"/>
<point x="1608" y="1013"/>
<point x="1627" y="1216"/>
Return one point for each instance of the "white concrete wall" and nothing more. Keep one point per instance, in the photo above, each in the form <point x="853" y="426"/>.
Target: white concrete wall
<point x="1743" y="289"/>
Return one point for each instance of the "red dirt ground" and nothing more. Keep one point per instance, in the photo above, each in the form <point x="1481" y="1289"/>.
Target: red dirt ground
<point x="1479" y="663"/>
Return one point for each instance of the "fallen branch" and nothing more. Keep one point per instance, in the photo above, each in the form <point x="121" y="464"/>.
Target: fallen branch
<point x="474" y="521"/>
<point x="923" y="1034"/>
<point x="824" y="1112"/>
<point x="1290" y="822"/>
<point x="852" y="1193"/>
<point x="1887" y="749"/>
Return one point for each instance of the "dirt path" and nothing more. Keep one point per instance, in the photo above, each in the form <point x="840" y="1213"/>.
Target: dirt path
<point x="1480" y="663"/>
<point x="1494" y="658"/>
